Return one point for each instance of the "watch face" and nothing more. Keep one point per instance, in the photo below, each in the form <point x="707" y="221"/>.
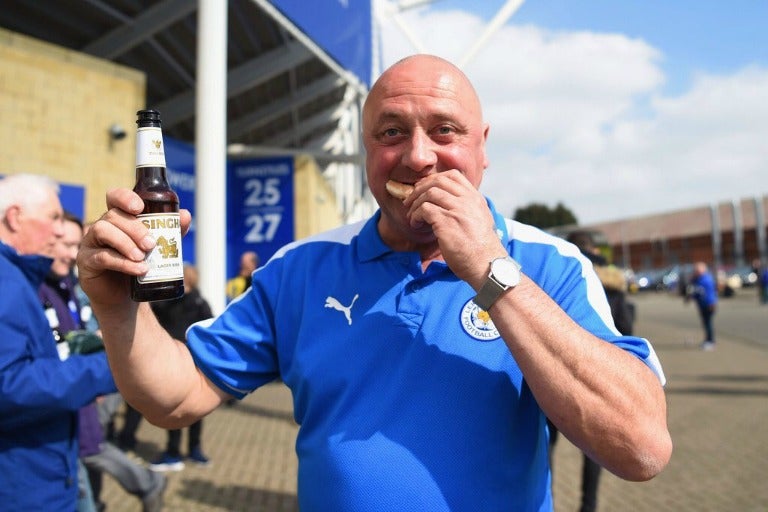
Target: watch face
<point x="506" y="271"/>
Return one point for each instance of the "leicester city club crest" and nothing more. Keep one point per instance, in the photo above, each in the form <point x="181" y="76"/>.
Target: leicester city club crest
<point x="477" y="322"/>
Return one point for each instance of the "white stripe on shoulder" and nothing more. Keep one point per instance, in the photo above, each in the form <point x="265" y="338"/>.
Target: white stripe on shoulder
<point x="341" y="235"/>
<point x="530" y="234"/>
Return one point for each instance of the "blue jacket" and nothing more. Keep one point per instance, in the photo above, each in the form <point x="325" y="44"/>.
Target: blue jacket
<point x="40" y="395"/>
<point x="704" y="290"/>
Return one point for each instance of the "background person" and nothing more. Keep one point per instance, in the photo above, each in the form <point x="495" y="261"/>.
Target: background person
<point x="763" y="284"/>
<point x="126" y="437"/>
<point x="62" y="310"/>
<point x="41" y="395"/>
<point x="408" y="393"/>
<point x="761" y="271"/>
<point x="58" y="295"/>
<point x="249" y="262"/>
<point x="703" y="290"/>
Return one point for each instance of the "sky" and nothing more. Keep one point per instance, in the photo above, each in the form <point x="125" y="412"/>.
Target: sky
<point x="614" y="108"/>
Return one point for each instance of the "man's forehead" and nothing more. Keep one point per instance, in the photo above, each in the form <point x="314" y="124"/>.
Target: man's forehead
<point x="399" y="94"/>
<point x="414" y="86"/>
<point x="400" y="113"/>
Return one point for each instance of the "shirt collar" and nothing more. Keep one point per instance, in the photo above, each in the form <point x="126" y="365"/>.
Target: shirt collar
<point x="370" y="243"/>
<point x="34" y="266"/>
<point x="501" y="223"/>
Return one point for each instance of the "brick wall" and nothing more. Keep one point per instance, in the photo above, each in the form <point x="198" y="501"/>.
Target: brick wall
<point x="56" y="107"/>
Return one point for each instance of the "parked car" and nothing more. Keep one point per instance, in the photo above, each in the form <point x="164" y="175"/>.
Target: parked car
<point x="746" y="275"/>
<point x="728" y="282"/>
<point x="676" y="277"/>
<point x="650" y="280"/>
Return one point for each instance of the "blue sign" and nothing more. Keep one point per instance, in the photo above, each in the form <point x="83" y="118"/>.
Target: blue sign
<point x="72" y="199"/>
<point x="180" y="171"/>
<point x="260" y="208"/>
<point x="342" y="28"/>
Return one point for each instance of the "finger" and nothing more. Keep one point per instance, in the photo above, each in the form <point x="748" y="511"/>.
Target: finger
<point x="126" y="200"/>
<point x="130" y="202"/>
<point x="452" y="182"/>
<point x="186" y="220"/>
<point x="98" y="260"/>
<point x="444" y="196"/>
<point x="123" y="233"/>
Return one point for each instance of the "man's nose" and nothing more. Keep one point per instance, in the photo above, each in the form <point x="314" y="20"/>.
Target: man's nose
<point x="420" y="154"/>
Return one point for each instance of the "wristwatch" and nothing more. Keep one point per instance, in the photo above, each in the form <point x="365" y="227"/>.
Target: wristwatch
<point x="504" y="274"/>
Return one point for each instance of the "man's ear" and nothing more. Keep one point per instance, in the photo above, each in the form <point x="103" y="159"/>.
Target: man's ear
<point x="12" y="217"/>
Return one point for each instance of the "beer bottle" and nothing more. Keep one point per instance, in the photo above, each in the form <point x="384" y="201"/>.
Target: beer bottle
<point x="165" y="278"/>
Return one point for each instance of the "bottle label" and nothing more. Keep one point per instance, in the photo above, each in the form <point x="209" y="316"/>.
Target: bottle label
<point x="165" y="260"/>
<point x="149" y="147"/>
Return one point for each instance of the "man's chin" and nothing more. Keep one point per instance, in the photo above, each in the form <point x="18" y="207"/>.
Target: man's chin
<point x="421" y="234"/>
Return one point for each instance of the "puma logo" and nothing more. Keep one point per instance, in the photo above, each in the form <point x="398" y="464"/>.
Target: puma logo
<point x="331" y="302"/>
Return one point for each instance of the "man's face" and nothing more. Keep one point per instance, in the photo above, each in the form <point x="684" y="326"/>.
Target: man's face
<point x="421" y="118"/>
<point x="40" y="227"/>
<point x="248" y="262"/>
<point x="65" y="251"/>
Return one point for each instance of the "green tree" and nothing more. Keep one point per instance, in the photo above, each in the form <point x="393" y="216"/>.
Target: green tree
<point x="544" y="217"/>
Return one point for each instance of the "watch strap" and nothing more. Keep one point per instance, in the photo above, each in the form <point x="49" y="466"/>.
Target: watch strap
<point x="489" y="293"/>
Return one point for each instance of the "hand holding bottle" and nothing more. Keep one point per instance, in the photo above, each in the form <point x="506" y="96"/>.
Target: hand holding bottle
<point x="114" y="250"/>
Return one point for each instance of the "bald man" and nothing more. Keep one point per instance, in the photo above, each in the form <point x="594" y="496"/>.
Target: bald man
<point x="424" y="347"/>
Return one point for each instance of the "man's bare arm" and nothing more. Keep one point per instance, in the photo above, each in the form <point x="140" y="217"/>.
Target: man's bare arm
<point x="154" y="372"/>
<point x="605" y="400"/>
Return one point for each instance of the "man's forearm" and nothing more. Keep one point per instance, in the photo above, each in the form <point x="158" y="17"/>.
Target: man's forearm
<point x="154" y="372"/>
<point x="605" y="400"/>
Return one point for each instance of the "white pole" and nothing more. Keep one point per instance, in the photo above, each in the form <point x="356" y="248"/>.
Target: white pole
<point x="506" y="12"/>
<point x="385" y="9"/>
<point x="210" y="151"/>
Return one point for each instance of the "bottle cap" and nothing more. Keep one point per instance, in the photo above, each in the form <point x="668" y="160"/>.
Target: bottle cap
<point x="148" y="117"/>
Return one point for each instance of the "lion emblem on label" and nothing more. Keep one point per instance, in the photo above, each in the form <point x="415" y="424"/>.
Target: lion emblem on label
<point x="168" y="247"/>
<point x="477" y="322"/>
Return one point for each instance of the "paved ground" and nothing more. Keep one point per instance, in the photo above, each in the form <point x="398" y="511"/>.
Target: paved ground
<point x="718" y="416"/>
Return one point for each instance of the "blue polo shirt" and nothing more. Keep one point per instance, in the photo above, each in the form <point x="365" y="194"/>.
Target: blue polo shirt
<point x="406" y="397"/>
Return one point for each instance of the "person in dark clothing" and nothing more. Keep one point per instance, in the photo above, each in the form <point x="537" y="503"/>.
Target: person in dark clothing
<point x="703" y="290"/>
<point x="614" y="284"/>
<point x="763" y="285"/>
<point x="126" y="438"/>
<point x="176" y="316"/>
<point x="761" y="271"/>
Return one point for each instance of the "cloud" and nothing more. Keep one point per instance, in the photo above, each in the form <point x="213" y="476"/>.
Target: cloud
<point x="581" y="118"/>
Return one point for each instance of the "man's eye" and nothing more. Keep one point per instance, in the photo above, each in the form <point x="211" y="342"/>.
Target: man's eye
<point x="391" y="132"/>
<point x="445" y="130"/>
